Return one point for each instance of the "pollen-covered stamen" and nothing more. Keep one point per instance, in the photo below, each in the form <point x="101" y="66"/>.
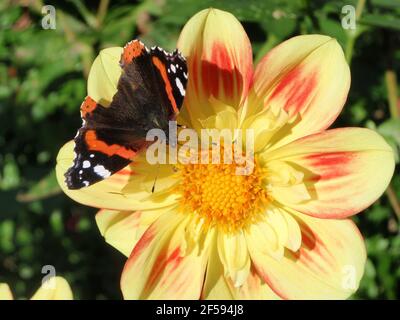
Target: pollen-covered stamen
<point x="221" y="197"/>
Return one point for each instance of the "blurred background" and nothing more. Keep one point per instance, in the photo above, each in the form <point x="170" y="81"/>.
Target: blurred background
<point x="43" y="82"/>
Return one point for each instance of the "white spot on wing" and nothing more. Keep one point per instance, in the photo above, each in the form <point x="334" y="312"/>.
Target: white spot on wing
<point x="101" y="171"/>
<point x="86" y="164"/>
<point x="180" y="86"/>
<point x="173" y="68"/>
<point x="86" y="183"/>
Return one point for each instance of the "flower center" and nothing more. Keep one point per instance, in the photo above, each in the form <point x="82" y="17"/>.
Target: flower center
<point x="220" y="197"/>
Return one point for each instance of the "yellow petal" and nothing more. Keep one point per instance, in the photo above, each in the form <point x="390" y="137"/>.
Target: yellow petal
<point x="128" y="190"/>
<point x="264" y="237"/>
<point x="329" y="264"/>
<point x="345" y="171"/>
<point x="104" y="75"/>
<point x="224" y="116"/>
<point x="218" y="287"/>
<point x="254" y="289"/>
<point x="309" y="78"/>
<point x="158" y="267"/>
<point x="265" y="124"/>
<point x="293" y="241"/>
<point x="5" y="292"/>
<point x="233" y="252"/>
<point x="56" y="288"/>
<point x="123" y="230"/>
<point x="219" y="63"/>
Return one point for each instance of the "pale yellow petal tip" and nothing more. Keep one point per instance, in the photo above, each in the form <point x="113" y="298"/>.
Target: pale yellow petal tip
<point x="5" y="292"/>
<point x="56" y="288"/>
<point x="104" y="75"/>
<point x="64" y="161"/>
<point x="197" y="29"/>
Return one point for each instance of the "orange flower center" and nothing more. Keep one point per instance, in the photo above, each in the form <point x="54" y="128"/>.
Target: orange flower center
<point x="220" y="197"/>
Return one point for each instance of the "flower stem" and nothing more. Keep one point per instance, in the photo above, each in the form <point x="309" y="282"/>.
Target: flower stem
<point x="392" y="95"/>
<point x="391" y="85"/>
<point x="101" y="12"/>
<point x="394" y="202"/>
<point x="352" y="35"/>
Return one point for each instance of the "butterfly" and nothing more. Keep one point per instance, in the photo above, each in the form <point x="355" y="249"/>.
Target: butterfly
<point x="150" y="93"/>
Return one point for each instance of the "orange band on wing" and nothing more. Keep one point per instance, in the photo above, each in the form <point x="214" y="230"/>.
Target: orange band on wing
<point x="88" y="105"/>
<point x="132" y="50"/>
<point x="115" y="149"/>
<point x="161" y="67"/>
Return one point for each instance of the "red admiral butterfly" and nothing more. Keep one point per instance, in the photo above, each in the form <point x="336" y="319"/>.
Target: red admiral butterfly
<point x="150" y="92"/>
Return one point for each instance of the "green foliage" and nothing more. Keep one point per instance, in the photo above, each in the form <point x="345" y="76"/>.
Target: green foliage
<point x="43" y="81"/>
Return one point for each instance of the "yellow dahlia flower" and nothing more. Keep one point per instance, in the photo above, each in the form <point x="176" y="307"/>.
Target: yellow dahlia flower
<point x="281" y="231"/>
<point x="56" y="288"/>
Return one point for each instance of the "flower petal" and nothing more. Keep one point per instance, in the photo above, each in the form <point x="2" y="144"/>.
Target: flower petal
<point x="345" y="170"/>
<point x="309" y="78"/>
<point x="104" y="75"/>
<point x="265" y="124"/>
<point x="122" y="229"/>
<point x="56" y="288"/>
<point x="5" y="292"/>
<point x="158" y="267"/>
<point x="128" y="189"/>
<point x="220" y="63"/>
<point x="254" y="289"/>
<point x="218" y="287"/>
<point x="329" y="264"/>
<point x="233" y="252"/>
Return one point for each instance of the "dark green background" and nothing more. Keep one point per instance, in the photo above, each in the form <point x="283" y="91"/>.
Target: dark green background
<point x="42" y="84"/>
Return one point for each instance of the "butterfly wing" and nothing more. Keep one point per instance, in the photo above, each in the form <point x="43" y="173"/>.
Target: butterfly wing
<point x="147" y="97"/>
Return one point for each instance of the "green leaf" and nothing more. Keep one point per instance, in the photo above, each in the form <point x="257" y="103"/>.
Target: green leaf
<point x="387" y="21"/>
<point x="46" y="187"/>
<point x="391" y="128"/>
<point x="386" y="3"/>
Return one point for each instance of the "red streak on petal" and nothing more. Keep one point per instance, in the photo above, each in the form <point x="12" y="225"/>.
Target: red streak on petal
<point x="307" y="258"/>
<point x="163" y="261"/>
<point x="308" y="239"/>
<point x="126" y="172"/>
<point x="330" y="165"/>
<point x="220" y="76"/>
<point x="133" y="219"/>
<point x="194" y="74"/>
<point x="295" y="88"/>
<point x="142" y="245"/>
<point x="314" y="245"/>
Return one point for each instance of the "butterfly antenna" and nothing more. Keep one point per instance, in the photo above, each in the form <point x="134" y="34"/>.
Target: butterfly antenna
<point x="155" y="180"/>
